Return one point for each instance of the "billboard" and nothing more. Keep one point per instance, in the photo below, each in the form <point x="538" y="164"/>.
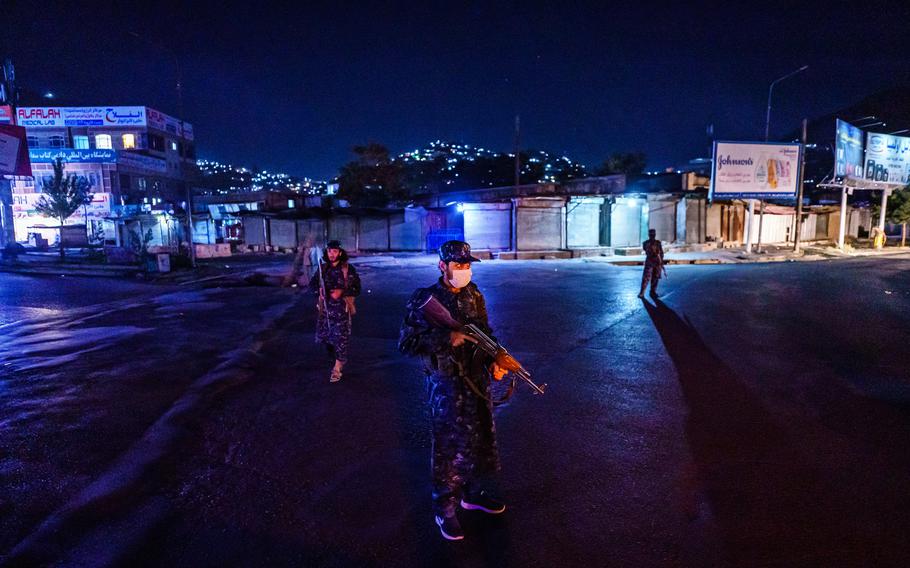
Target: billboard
<point x="755" y="170"/>
<point x="61" y="117"/>
<point x="139" y="161"/>
<point x="72" y="155"/>
<point x="6" y="114"/>
<point x="167" y="123"/>
<point x="848" y="151"/>
<point x="887" y="159"/>
<point x="14" y="158"/>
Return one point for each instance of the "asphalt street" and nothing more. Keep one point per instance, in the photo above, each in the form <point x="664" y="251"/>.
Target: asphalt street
<point x="756" y="416"/>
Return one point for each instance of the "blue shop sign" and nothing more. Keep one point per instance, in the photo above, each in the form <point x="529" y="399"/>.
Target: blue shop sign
<point x="72" y="155"/>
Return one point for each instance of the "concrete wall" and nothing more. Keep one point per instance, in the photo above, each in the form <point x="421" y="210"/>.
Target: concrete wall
<point x="662" y="216"/>
<point x="626" y="222"/>
<point x="540" y="223"/>
<point x="312" y="230"/>
<point x="583" y="221"/>
<point x="283" y="233"/>
<point x="254" y="230"/>
<point x="691" y="221"/>
<point x="712" y="223"/>
<point x="344" y="229"/>
<point x="407" y="230"/>
<point x="488" y="225"/>
<point x="374" y="233"/>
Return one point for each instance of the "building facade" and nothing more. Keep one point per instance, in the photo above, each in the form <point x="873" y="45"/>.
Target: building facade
<point x="137" y="160"/>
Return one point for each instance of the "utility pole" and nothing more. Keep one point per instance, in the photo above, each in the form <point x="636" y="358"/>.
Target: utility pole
<point x="8" y="95"/>
<point x="761" y="213"/>
<point x="517" y="150"/>
<point x="799" y="196"/>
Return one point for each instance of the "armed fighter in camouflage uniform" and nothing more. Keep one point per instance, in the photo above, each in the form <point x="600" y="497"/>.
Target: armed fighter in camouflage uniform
<point x="337" y="284"/>
<point x="464" y="456"/>
<point x="654" y="264"/>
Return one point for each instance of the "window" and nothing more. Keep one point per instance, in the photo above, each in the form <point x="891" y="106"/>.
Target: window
<point x="80" y="142"/>
<point x="103" y="141"/>
<point x="129" y="141"/>
<point x="124" y="182"/>
<point x="141" y="183"/>
<point x="173" y="146"/>
<point x="156" y="142"/>
<point x="57" y="141"/>
<point x="190" y="151"/>
<point x="32" y="141"/>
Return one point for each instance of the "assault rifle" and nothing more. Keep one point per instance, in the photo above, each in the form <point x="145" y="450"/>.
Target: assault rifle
<point x="323" y="307"/>
<point x="438" y="316"/>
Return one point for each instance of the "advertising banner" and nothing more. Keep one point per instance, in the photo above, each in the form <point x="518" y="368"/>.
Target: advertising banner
<point x="167" y="123"/>
<point x="25" y="206"/>
<point x="14" y="158"/>
<point x="60" y="117"/>
<point x="72" y="156"/>
<point x="848" y="151"/>
<point x="6" y="114"/>
<point x="755" y="170"/>
<point x="139" y="161"/>
<point x="887" y="159"/>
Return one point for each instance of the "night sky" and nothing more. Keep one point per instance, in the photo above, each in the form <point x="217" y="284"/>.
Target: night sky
<point x="293" y="89"/>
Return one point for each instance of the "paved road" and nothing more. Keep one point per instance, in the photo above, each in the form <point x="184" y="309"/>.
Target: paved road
<point x="23" y="297"/>
<point x="758" y="415"/>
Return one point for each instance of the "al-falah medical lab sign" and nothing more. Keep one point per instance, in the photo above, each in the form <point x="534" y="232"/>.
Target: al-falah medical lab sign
<point x="755" y="170"/>
<point x="57" y="117"/>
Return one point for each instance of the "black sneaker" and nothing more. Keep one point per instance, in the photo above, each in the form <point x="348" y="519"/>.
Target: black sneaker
<point x="483" y="502"/>
<point x="450" y="527"/>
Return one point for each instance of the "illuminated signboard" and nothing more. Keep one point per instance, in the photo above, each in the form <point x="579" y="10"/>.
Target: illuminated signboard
<point x="60" y="117"/>
<point x="848" y="151"/>
<point x="71" y="155"/>
<point x="887" y="159"/>
<point x="755" y="170"/>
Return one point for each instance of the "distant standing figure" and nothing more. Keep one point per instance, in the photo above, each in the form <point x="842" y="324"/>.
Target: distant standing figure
<point x="337" y="284"/>
<point x="654" y="264"/>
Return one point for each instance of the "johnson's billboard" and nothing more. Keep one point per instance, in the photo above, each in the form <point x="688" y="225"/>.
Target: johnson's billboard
<point x="755" y="170"/>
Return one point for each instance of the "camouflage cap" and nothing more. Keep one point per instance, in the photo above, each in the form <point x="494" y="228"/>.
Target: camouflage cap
<point x="456" y="251"/>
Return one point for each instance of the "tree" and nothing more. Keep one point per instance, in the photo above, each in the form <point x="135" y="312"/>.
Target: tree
<point x="63" y="196"/>
<point x="373" y="178"/>
<point x="628" y="163"/>
<point x="899" y="210"/>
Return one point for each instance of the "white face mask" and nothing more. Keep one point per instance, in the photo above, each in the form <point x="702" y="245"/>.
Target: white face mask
<point x="460" y="278"/>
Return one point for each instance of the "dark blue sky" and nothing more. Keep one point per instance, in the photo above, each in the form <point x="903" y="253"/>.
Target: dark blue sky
<point x="293" y="89"/>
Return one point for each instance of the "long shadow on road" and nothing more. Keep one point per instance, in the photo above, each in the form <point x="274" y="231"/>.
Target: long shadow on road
<point x="770" y="502"/>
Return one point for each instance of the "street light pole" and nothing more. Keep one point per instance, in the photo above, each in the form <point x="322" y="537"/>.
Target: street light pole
<point x="771" y="91"/>
<point x="182" y="134"/>
<point x="761" y="215"/>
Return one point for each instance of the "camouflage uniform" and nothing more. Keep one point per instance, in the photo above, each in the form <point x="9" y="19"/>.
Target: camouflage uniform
<point x="654" y="261"/>
<point x="333" y="325"/>
<point x="464" y="456"/>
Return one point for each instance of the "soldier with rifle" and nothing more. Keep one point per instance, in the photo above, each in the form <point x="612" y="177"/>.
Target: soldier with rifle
<point x="654" y="264"/>
<point x="446" y="325"/>
<point x="337" y="284"/>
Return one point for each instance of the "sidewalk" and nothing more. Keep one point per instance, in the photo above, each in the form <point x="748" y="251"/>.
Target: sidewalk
<point x="278" y="265"/>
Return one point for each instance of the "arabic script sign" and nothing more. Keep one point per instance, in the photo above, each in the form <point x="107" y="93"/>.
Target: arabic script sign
<point x="887" y="159"/>
<point x="58" y="117"/>
<point x="71" y="155"/>
<point x="14" y="159"/>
